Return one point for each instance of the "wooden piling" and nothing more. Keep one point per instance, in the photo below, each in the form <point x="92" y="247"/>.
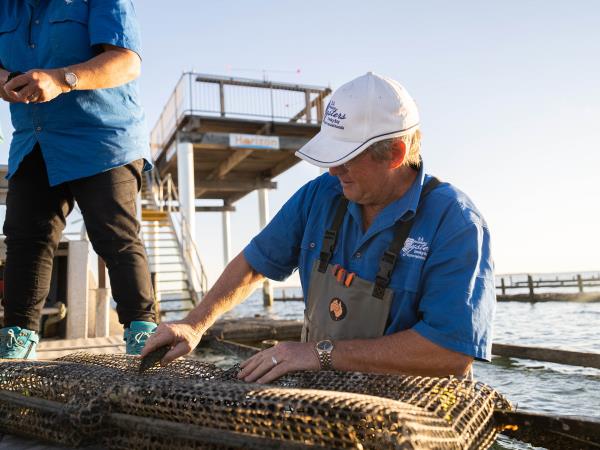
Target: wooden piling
<point x="530" y="284"/>
<point x="579" y="283"/>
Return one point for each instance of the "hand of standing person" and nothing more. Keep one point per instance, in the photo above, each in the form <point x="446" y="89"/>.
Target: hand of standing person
<point x="4" y="74"/>
<point x="36" y="86"/>
<point x="114" y="66"/>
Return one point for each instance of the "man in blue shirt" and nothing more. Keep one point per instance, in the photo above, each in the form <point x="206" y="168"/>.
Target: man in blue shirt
<point x="68" y="70"/>
<point x="394" y="264"/>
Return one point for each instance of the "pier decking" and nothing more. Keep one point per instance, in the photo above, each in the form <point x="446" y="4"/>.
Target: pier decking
<point x="55" y="348"/>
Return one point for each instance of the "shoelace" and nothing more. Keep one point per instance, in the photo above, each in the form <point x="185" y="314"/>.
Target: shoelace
<point x="11" y="339"/>
<point x="141" y="335"/>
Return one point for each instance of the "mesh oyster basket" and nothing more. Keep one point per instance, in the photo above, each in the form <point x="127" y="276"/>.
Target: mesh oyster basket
<point x="85" y="399"/>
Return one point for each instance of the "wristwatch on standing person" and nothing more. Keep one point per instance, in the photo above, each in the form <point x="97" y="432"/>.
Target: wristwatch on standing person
<point x="71" y="79"/>
<point x="324" y="349"/>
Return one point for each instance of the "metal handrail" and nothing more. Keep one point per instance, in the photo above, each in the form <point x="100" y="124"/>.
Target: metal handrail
<point x="235" y="98"/>
<point x="170" y="201"/>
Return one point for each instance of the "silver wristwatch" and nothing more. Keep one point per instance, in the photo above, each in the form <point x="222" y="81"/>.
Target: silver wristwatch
<point x="324" y="349"/>
<point x="71" y="79"/>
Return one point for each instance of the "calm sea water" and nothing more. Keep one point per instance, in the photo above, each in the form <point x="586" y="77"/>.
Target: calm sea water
<point x="530" y="385"/>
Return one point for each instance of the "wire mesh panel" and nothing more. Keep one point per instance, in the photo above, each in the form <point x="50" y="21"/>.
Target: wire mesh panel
<point x="101" y="399"/>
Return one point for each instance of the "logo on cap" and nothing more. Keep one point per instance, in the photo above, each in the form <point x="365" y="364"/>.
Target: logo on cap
<point x="337" y="309"/>
<point x="333" y="116"/>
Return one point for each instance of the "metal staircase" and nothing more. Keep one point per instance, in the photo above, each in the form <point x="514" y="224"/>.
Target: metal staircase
<point x="177" y="271"/>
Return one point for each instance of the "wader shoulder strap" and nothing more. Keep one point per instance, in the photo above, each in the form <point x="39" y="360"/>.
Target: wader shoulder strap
<point x="390" y="256"/>
<point x="330" y="237"/>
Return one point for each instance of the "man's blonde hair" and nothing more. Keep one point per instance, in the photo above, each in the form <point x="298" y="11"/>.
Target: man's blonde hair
<point x="381" y="150"/>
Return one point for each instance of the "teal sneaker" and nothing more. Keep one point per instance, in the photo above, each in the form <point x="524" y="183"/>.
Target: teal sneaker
<point x="18" y="343"/>
<point x="136" y="336"/>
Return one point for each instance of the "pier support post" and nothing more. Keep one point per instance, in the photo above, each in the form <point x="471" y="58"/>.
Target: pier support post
<point x="530" y="285"/>
<point x="503" y="286"/>
<point x="154" y="281"/>
<point x="580" y="283"/>
<point x="226" y="237"/>
<point x="77" y="289"/>
<point x="187" y="195"/>
<point x="102" y="302"/>
<point x="263" y="209"/>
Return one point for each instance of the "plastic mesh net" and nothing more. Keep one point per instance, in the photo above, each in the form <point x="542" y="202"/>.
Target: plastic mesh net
<point x="85" y="399"/>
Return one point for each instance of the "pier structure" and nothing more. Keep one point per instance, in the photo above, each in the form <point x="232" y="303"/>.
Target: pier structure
<point x="220" y="138"/>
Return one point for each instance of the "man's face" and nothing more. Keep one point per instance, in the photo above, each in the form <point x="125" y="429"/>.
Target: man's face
<point x="363" y="178"/>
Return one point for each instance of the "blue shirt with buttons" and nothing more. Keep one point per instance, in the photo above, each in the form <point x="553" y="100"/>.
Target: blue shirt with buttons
<point x="81" y="133"/>
<point x="443" y="281"/>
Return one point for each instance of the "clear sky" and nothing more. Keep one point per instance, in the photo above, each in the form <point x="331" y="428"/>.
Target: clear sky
<point x="509" y="95"/>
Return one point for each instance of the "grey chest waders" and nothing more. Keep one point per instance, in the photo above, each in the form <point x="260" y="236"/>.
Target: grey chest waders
<point x="345" y="306"/>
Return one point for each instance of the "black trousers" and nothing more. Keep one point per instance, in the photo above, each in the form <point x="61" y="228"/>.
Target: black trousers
<point x="35" y="218"/>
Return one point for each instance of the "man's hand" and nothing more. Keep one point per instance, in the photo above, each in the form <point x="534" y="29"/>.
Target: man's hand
<point x="278" y="360"/>
<point x="3" y="80"/>
<point x="181" y="336"/>
<point x="35" y="86"/>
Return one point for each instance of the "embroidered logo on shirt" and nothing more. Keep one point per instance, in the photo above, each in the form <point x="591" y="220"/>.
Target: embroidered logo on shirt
<point x="337" y="309"/>
<point x="333" y="116"/>
<point x="415" y="248"/>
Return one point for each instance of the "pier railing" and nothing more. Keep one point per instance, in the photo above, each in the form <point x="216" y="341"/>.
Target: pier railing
<point x="507" y="284"/>
<point x="236" y="98"/>
<point x="167" y="199"/>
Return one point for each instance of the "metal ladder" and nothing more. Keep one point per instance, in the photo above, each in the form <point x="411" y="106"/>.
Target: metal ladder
<point x="179" y="277"/>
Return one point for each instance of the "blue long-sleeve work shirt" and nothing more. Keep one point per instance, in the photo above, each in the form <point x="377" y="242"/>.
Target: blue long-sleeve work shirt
<point x="443" y="281"/>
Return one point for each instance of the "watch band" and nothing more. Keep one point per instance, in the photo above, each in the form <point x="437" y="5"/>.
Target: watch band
<point x="324" y="349"/>
<point x="325" y="360"/>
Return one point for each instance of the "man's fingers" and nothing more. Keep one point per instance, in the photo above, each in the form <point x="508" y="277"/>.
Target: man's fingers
<point x="17" y="83"/>
<point x="260" y="370"/>
<point x="256" y="357"/>
<point x="248" y="366"/>
<point x="157" y="340"/>
<point x="29" y="93"/>
<point x="12" y="97"/>
<point x="276" y="372"/>
<point x="181" y="349"/>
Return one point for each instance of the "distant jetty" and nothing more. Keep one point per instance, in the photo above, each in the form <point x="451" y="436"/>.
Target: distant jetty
<point x="524" y="288"/>
<point x="579" y="297"/>
<point x="550" y="288"/>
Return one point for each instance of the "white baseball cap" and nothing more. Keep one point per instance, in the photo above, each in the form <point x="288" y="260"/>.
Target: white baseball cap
<point x="366" y="110"/>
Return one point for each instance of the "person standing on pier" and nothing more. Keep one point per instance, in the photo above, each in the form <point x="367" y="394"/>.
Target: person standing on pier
<point x="68" y="70"/>
<point x="395" y="265"/>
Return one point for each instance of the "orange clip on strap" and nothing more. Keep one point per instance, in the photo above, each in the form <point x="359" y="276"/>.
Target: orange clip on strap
<point x="335" y="269"/>
<point x="340" y="275"/>
<point x="349" y="279"/>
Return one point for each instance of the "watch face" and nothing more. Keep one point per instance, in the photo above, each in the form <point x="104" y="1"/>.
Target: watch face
<point x="325" y="346"/>
<point x="71" y="79"/>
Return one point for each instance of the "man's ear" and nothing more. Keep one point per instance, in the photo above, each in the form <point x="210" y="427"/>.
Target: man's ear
<point x="398" y="154"/>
